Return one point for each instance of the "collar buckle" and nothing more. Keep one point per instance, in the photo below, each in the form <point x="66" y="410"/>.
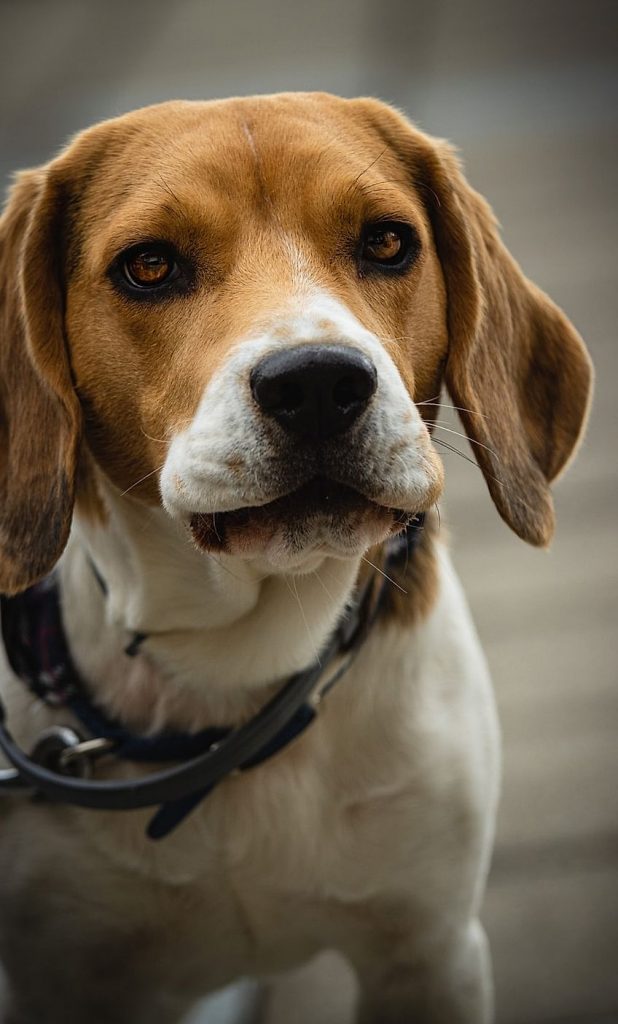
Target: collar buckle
<point x="85" y="753"/>
<point x="61" y="749"/>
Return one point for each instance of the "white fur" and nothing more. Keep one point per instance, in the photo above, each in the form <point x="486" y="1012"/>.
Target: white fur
<point x="394" y="450"/>
<point x="371" y="834"/>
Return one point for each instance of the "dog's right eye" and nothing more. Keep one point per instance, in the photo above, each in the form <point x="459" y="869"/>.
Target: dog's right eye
<point x="149" y="266"/>
<point x="152" y="271"/>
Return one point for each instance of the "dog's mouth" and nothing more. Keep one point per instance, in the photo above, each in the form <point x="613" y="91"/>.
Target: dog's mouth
<point x="321" y="509"/>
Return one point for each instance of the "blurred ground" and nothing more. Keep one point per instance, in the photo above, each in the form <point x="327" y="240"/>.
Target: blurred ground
<point x="528" y="91"/>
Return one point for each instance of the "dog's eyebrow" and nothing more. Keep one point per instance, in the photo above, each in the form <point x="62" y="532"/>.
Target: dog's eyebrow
<point x="160" y="180"/>
<point x="368" y="167"/>
<point x="164" y="219"/>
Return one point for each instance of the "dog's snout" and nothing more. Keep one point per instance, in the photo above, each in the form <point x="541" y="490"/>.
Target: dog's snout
<point x="314" y="391"/>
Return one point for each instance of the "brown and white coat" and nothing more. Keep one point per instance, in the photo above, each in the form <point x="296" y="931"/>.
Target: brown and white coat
<point x="126" y="415"/>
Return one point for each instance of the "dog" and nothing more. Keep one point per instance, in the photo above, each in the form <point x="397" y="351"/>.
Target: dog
<point x="225" y="330"/>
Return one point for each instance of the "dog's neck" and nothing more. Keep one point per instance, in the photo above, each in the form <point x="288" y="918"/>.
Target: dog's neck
<point x="220" y="631"/>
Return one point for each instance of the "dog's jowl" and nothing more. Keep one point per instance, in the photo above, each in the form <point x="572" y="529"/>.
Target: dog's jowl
<point x="247" y="716"/>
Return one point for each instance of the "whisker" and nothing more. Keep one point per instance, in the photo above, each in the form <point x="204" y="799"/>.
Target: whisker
<point x="378" y="186"/>
<point x="437" y="400"/>
<point x="323" y="586"/>
<point x="159" y="440"/>
<point x="456" y="451"/>
<point x="458" y="408"/>
<point x="368" y="168"/>
<point x="310" y="636"/>
<point x="141" y="480"/>
<point x="164" y="185"/>
<point x="386" y="576"/>
<point x="209" y="554"/>
<point x="324" y="150"/>
<point x="421" y="184"/>
<point x="329" y="569"/>
<point x="490" y="476"/>
<point x="168" y="430"/>
<point x="450" y="430"/>
<point x="226" y="568"/>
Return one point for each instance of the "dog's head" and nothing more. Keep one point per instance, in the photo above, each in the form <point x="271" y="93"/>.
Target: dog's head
<point x="245" y="310"/>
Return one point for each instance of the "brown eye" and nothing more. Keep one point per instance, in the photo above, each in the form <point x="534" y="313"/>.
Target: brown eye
<point x="152" y="271"/>
<point x="383" y="246"/>
<point x="390" y="246"/>
<point x="148" y="267"/>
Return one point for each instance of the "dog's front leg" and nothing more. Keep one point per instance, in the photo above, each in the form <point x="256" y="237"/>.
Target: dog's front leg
<point x="449" y="983"/>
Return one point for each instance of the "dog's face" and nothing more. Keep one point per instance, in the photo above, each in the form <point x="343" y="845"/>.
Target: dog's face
<point x="254" y="310"/>
<point x="245" y="310"/>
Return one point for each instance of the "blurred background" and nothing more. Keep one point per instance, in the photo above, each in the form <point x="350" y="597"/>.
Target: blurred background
<point x="528" y="90"/>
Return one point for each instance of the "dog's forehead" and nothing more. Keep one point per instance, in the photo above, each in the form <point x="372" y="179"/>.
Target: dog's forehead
<point x="273" y="130"/>
<point x="255" y="152"/>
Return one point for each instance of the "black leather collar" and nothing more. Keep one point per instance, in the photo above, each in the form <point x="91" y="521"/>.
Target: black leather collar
<point x="38" y="653"/>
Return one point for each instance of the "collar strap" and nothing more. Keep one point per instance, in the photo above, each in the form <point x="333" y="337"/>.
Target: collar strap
<point x="206" y="757"/>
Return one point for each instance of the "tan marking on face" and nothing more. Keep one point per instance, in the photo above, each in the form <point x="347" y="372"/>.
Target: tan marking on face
<point x="418" y="579"/>
<point x="88" y="497"/>
<point x="262" y="226"/>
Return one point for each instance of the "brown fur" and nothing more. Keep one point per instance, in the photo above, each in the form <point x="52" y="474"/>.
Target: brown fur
<point x="40" y="417"/>
<point x="417" y="580"/>
<point x="232" y="181"/>
<point x="516" y="366"/>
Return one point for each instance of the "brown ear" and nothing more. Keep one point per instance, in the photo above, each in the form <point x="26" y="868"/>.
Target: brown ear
<point x="516" y="367"/>
<point x="40" y="416"/>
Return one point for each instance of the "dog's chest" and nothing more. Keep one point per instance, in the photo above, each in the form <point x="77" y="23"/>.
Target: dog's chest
<point x="295" y="824"/>
<point x="257" y="877"/>
<point x="280" y="861"/>
<point x="288" y="858"/>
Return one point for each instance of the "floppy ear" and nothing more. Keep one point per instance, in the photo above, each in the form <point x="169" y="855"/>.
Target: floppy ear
<point x="40" y="416"/>
<point x="516" y="367"/>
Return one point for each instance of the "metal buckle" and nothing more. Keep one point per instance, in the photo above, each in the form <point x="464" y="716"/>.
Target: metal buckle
<point x="10" y="782"/>
<point x="86" y="752"/>
<point x="61" y="749"/>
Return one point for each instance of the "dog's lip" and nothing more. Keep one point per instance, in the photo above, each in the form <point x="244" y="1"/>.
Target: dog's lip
<point x="320" y="492"/>
<point x="318" y="496"/>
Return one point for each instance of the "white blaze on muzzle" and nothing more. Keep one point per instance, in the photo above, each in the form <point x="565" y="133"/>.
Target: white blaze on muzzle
<point x="236" y="454"/>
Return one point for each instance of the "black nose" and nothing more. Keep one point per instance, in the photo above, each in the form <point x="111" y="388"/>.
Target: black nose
<point x="314" y="391"/>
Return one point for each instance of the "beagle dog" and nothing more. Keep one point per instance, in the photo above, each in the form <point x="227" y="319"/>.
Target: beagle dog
<point x="225" y="327"/>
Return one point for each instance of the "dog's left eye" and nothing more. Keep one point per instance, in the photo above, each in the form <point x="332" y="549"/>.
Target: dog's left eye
<point x="389" y="245"/>
<point x="149" y="266"/>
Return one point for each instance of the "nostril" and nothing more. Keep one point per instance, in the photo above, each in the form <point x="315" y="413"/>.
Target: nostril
<point x="353" y="389"/>
<point x="289" y="399"/>
<point x="276" y="394"/>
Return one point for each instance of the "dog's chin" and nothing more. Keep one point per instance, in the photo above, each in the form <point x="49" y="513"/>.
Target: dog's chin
<point x="295" y="532"/>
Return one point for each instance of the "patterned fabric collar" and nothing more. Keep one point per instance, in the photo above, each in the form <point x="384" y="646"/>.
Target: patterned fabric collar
<point x="36" y="645"/>
<point x="37" y="651"/>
